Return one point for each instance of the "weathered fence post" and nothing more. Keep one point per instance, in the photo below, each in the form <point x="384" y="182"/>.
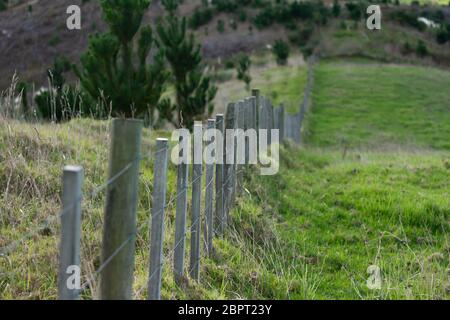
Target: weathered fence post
<point x="281" y="122"/>
<point x="208" y="231"/>
<point x="257" y="106"/>
<point x="276" y="122"/>
<point x="240" y="150"/>
<point x="248" y="126"/>
<point x="263" y="116"/>
<point x="298" y="127"/>
<point x="287" y="126"/>
<point x="270" y="121"/>
<point x="157" y="218"/>
<point x="196" y="202"/>
<point x="254" y="124"/>
<point x="230" y="150"/>
<point x="69" y="254"/>
<point x="220" y="176"/>
<point x="180" y="219"/>
<point x="120" y="212"/>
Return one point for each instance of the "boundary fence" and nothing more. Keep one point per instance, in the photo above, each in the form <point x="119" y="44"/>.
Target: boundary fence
<point x="223" y="183"/>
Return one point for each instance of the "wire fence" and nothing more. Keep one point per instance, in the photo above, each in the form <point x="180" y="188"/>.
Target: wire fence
<point x="120" y="227"/>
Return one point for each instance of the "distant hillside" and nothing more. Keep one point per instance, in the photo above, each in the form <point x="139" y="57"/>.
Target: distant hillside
<point x="33" y="33"/>
<point x="30" y="41"/>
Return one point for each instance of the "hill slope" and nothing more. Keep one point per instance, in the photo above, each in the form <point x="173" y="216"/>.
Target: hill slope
<point x="372" y="185"/>
<point x="30" y="41"/>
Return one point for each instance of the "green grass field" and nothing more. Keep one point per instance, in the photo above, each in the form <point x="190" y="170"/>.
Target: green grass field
<point x="375" y="105"/>
<point x="370" y="187"/>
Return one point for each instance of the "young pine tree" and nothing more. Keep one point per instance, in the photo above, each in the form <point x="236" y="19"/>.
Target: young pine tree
<point x="194" y="91"/>
<point x="243" y="70"/>
<point x="116" y="68"/>
<point x="336" y="9"/>
<point x="281" y="51"/>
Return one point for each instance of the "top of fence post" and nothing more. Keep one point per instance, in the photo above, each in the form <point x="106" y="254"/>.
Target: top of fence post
<point x="257" y="94"/>
<point x="70" y="229"/>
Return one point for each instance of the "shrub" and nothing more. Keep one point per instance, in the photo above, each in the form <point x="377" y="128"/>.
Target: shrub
<point x="355" y="10"/>
<point x="200" y="17"/>
<point x="336" y="8"/>
<point x="243" y="70"/>
<point x="287" y="13"/>
<point x="408" y="18"/>
<point x="229" y="64"/>
<point x="3" y="5"/>
<point x="302" y="37"/>
<point x="406" y="48"/>
<point x="281" y="52"/>
<point x="264" y="18"/>
<point x="242" y="15"/>
<point x="421" y="49"/>
<point x="220" y="26"/>
<point x="442" y="36"/>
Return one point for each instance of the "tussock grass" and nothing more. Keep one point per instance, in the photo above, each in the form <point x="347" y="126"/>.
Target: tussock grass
<point x="31" y="162"/>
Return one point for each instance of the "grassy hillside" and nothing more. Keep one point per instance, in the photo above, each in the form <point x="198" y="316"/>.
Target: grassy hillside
<point x="370" y="187"/>
<point x="345" y="208"/>
<point x="371" y="104"/>
<point x="282" y="84"/>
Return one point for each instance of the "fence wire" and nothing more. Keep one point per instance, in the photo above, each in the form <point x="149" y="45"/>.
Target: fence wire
<point x="222" y="220"/>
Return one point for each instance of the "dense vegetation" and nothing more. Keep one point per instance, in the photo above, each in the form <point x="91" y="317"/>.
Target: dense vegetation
<point x="369" y="186"/>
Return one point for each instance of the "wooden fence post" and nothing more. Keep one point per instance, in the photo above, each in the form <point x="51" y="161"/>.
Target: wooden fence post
<point x="263" y="121"/>
<point x="196" y="202"/>
<point x="157" y="218"/>
<point x="286" y="126"/>
<point x="220" y="176"/>
<point x="69" y="255"/>
<point x="254" y="123"/>
<point x="120" y="212"/>
<point x="240" y="151"/>
<point x="208" y="231"/>
<point x="248" y="126"/>
<point x="230" y="152"/>
<point x="270" y="120"/>
<point x="281" y="122"/>
<point x="180" y="219"/>
<point x="257" y="106"/>
<point x="297" y="127"/>
<point x="276" y="118"/>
